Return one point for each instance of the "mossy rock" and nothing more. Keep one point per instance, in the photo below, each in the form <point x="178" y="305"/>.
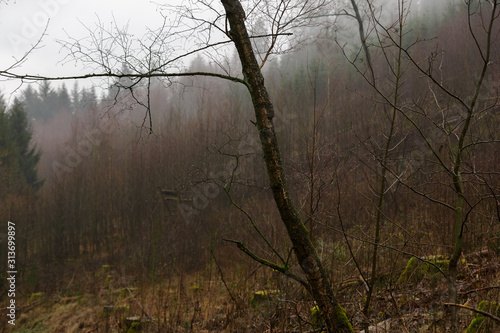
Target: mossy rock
<point x="481" y="323"/>
<point x="132" y="324"/>
<point x="415" y="269"/>
<point x="106" y="311"/>
<point x="36" y="296"/>
<point x="262" y="297"/>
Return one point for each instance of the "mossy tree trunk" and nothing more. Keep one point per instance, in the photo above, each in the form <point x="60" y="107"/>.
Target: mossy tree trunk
<point x="320" y="287"/>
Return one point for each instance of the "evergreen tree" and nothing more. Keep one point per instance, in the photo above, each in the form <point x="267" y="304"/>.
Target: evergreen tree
<point x="4" y="136"/>
<point x="88" y="99"/>
<point x="119" y="88"/>
<point x="31" y="102"/>
<point x="24" y="156"/>
<point x="48" y="101"/>
<point x="75" y="97"/>
<point x="8" y="163"/>
<point x="63" y="100"/>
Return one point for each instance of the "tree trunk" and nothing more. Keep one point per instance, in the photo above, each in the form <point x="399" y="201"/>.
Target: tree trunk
<point x="334" y="315"/>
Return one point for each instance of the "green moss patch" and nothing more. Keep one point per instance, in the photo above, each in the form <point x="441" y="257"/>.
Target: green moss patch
<point x="262" y="297"/>
<point x="36" y="297"/>
<point x="315" y="316"/>
<point x="125" y="292"/>
<point x="481" y="323"/>
<point x="415" y="269"/>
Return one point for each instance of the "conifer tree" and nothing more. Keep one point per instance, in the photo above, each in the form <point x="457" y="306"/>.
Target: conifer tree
<point x="63" y="99"/>
<point x="24" y="155"/>
<point x="31" y="102"/>
<point x="5" y="149"/>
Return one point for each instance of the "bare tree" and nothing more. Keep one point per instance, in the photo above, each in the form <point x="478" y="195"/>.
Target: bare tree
<point x="481" y="20"/>
<point x="307" y="256"/>
<point x="380" y="150"/>
<point x="155" y="58"/>
<point x="447" y="119"/>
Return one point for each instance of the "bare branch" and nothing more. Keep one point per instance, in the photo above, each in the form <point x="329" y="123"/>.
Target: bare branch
<point x="282" y="269"/>
<point x="484" y="313"/>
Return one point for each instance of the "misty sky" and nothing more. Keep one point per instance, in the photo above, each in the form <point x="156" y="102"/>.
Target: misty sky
<point x="22" y="22"/>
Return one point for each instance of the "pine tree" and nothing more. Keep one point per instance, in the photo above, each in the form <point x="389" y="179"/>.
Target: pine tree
<point x="4" y="135"/>
<point x="24" y="156"/>
<point x="75" y="98"/>
<point x="32" y="102"/>
<point x="63" y="99"/>
<point x="88" y="99"/>
<point x="48" y="101"/>
<point x="8" y="164"/>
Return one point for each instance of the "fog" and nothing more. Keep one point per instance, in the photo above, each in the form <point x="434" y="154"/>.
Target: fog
<point x="166" y="192"/>
<point x="25" y="23"/>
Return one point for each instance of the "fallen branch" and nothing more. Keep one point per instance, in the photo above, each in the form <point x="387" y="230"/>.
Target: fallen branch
<point x="479" y="289"/>
<point x="484" y="313"/>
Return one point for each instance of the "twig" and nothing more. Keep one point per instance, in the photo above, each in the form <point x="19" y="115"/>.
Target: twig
<point x="222" y="278"/>
<point x="479" y="289"/>
<point x="138" y="303"/>
<point x="282" y="269"/>
<point x="394" y="249"/>
<point x="484" y="313"/>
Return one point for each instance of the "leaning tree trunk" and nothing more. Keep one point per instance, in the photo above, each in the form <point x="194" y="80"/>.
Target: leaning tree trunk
<point x="334" y="315"/>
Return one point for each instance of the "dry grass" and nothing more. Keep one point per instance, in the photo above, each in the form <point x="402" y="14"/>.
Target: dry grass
<point x="203" y="302"/>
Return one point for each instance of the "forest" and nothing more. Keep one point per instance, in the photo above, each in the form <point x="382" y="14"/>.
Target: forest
<point x="150" y="205"/>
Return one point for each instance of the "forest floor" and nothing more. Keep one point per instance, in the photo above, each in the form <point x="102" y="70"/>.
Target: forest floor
<point x="106" y="301"/>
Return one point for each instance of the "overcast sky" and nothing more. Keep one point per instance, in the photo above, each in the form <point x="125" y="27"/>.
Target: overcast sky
<point x="22" y="22"/>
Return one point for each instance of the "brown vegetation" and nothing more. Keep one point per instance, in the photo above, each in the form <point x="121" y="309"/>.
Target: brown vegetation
<point x="134" y="224"/>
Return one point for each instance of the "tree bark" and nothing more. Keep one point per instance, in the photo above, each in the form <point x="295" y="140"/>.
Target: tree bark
<point x="321" y="290"/>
